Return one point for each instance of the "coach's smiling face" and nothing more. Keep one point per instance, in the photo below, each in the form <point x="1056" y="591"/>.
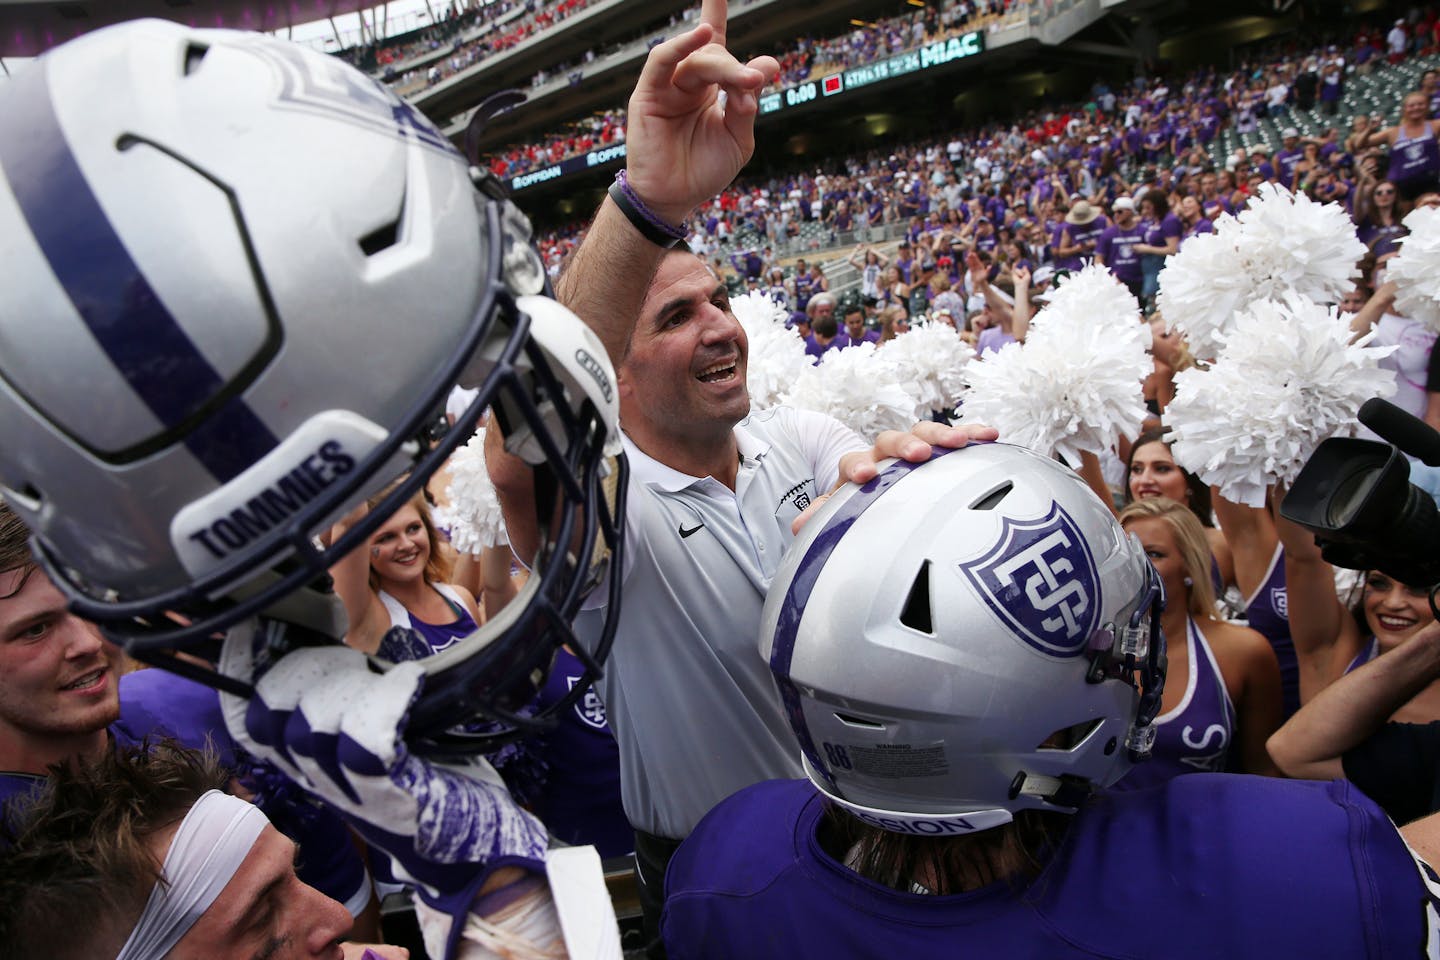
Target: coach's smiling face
<point x="682" y="385"/>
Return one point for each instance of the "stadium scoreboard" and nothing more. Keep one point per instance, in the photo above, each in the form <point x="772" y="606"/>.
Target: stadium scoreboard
<point x="911" y="61"/>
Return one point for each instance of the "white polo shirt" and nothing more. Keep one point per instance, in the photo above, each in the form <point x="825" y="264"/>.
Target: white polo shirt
<point x="688" y="695"/>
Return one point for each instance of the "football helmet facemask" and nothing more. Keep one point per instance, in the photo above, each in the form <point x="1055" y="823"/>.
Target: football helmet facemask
<point x="238" y="280"/>
<point x="963" y="639"/>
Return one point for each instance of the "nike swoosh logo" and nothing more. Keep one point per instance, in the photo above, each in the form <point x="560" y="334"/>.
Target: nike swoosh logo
<point x="686" y="533"/>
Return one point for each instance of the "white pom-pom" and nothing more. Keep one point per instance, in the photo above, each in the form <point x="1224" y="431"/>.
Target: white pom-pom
<point x="1203" y="285"/>
<point x="1291" y="243"/>
<point x="776" y="355"/>
<point x="930" y="362"/>
<point x="1287" y="377"/>
<point x="857" y="386"/>
<point x="473" y="516"/>
<point x="1071" y="387"/>
<point x="1280" y="243"/>
<point x="1093" y="295"/>
<point x="1416" y="270"/>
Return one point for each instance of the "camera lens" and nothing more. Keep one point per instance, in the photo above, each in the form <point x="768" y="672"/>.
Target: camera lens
<point x="1349" y="496"/>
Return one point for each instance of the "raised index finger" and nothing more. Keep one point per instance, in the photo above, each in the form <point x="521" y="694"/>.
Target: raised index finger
<point x="715" y="13"/>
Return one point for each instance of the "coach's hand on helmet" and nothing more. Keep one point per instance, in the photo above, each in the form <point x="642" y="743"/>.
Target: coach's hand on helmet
<point x="686" y="141"/>
<point x="915" y="446"/>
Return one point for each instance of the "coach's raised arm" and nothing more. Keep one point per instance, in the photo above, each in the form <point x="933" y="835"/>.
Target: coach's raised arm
<point x="691" y="130"/>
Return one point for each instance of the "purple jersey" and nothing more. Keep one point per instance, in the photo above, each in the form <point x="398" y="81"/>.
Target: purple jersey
<point x="1381" y="238"/>
<point x="1212" y="207"/>
<point x="1117" y="247"/>
<point x="1200" y="226"/>
<point x="804" y="290"/>
<point x="1268" y="612"/>
<point x="816" y="350"/>
<point x="1285" y="161"/>
<point x="1157" y="232"/>
<point x="1196" y="736"/>
<point x="992" y="339"/>
<point x="16" y="787"/>
<point x="1369" y="652"/>
<point x="1079" y="234"/>
<point x="1217" y="866"/>
<point x="580" y="800"/>
<point x="1415" y="160"/>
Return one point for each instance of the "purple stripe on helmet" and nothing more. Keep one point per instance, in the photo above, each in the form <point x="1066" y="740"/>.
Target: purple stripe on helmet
<point x="112" y="296"/>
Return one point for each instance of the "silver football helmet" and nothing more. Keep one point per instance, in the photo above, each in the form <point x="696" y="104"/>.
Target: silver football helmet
<point x="238" y="279"/>
<point x="961" y="640"/>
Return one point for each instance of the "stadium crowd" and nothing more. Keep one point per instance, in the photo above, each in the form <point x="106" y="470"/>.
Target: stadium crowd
<point x="1021" y="192"/>
<point x="908" y="762"/>
<point x="501" y="26"/>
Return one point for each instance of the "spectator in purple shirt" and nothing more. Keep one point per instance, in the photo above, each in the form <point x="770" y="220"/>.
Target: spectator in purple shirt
<point x="1262" y="165"/>
<point x="1289" y="154"/>
<point x="1116" y="247"/>
<point x="1193" y="220"/>
<point x="1162" y="238"/>
<point x="1075" y="240"/>
<point x="825" y="332"/>
<point x="993" y="332"/>
<point x="855" y="332"/>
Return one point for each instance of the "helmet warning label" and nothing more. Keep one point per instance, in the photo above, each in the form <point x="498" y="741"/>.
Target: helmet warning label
<point x="899" y="761"/>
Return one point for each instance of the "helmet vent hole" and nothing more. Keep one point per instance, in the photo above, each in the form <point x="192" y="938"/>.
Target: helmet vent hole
<point x="194" y="53"/>
<point x="916" y="614"/>
<point x="382" y="239"/>
<point x="850" y="720"/>
<point x="27" y="497"/>
<point x="992" y="499"/>
<point x="1069" y="738"/>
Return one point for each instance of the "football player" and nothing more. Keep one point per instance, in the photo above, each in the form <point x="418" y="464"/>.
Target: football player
<point x="970" y="653"/>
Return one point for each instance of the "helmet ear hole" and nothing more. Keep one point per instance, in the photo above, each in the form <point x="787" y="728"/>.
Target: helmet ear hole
<point x="917" y="614"/>
<point x="1071" y="737"/>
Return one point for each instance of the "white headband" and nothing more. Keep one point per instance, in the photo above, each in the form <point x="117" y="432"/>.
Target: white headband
<point x="213" y="840"/>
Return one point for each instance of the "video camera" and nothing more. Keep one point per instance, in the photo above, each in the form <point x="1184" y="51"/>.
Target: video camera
<point x="1357" y="498"/>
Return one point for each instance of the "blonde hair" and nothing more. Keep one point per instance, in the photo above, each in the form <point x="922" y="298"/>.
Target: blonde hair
<point x="888" y="318"/>
<point x="1190" y="538"/>
<point x="1184" y="358"/>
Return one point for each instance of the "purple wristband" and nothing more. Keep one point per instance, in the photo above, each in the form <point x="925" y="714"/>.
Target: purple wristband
<point x="654" y="229"/>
